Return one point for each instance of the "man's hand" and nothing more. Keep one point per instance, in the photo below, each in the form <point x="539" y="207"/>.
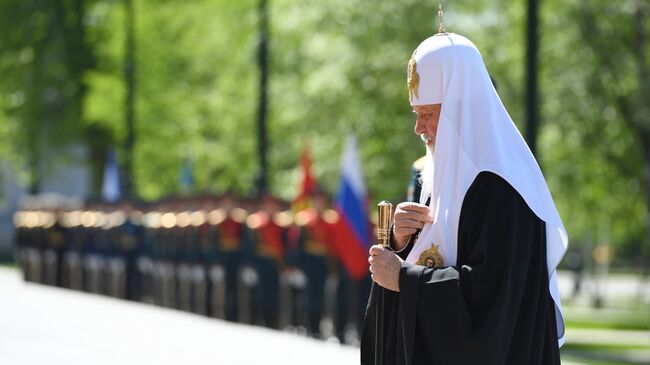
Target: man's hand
<point x="384" y="266"/>
<point x="409" y="218"/>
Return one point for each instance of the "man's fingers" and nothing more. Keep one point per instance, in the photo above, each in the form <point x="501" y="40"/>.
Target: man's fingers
<point x="406" y="231"/>
<point x="409" y="223"/>
<point x="416" y="216"/>
<point x="416" y="207"/>
<point x="376" y="250"/>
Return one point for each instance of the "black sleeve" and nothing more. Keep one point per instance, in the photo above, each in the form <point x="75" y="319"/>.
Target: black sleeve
<point x="494" y="306"/>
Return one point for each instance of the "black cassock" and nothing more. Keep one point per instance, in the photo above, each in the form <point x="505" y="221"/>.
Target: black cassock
<point x="494" y="307"/>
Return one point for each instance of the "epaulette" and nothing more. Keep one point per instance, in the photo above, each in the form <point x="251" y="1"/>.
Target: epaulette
<point x="71" y="219"/>
<point x="168" y="220"/>
<point x="216" y="216"/>
<point x="239" y="215"/>
<point x="197" y="218"/>
<point x="114" y="219"/>
<point x="152" y="220"/>
<point x="89" y="218"/>
<point x="20" y="219"/>
<point x="303" y="217"/>
<point x="46" y="219"/>
<point x="255" y="220"/>
<point x="283" y="219"/>
<point x="331" y="216"/>
<point x="104" y="220"/>
<point x="136" y="217"/>
<point x="183" y="219"/>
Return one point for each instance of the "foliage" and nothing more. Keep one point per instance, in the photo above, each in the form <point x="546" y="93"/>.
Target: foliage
<point x="44" y="58"/>
<point x="596" y="121"/>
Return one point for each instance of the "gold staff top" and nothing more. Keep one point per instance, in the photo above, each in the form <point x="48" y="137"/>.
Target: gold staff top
<point x="384" y="210"/>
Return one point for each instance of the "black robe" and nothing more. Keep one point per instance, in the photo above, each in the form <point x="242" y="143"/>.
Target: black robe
<point x="493" y="307"/>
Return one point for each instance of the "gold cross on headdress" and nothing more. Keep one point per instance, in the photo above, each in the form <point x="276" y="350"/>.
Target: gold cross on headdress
<point x="441" y="27"/>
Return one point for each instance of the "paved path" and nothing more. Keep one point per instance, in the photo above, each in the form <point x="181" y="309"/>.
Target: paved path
<point x="43" y="325"/>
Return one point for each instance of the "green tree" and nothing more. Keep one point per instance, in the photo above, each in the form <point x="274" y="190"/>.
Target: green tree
<point x="44" y="58"/>
<point x="596" y="132"/>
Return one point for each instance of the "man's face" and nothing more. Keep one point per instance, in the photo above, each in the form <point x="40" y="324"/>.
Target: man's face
<point x="426" y="123"/>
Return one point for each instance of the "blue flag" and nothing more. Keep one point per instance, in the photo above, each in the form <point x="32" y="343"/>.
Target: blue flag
<point x="111" y="184"/>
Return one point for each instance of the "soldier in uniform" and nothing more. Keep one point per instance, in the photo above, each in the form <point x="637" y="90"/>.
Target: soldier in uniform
<point x="97" y="249"/>
<point x="115" y="269"/>
<point x="229" y="235"/>
<point x="168" y="245"/>
<point x="207" y="257"/>
<point x="198" y="257"/>
<point x="56" y="240"/>
<point x="151" y="257"/>
<point x="268" y="237"/>
<point x="27" y="244"/>
<point x="186" y="255"/>
<point x="130" y="236"/>
<point x="72" y="265"/>
<point x="22" y="243"/>
<point x="37" y="247"/>
<point x="317" y="228"/>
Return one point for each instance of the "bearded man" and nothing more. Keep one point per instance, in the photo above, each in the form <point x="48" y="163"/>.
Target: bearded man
<point x="470" y="275"/>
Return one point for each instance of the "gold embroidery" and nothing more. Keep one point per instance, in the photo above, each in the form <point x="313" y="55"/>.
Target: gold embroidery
<point x="413" y="78"/>
<point x="432" y="255"/>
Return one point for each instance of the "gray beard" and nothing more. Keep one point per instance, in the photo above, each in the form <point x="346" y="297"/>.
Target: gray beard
<point x="426" y="175"/>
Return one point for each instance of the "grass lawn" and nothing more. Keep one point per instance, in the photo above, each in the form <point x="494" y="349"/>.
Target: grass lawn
<point x="9" y="264"/>
<point x="607" y="336"/>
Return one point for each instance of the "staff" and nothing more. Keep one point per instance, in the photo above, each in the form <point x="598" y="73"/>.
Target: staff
<point x="384" y="210"/>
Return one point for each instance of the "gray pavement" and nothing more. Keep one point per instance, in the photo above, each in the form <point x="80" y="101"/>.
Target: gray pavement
<point x="44" y="325"/>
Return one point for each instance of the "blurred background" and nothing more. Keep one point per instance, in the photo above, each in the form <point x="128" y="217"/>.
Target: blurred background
<point x="139" y="108"/>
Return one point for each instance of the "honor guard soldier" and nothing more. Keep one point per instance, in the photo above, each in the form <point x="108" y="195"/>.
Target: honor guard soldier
<point x="268" y="237"/>
<point x="150" y="261"/>
<point x="115" y="263"/>
<point x="56" y="239"/>
<point x="167" y="257"/>
<point x="199" y="258"/>
<point x="98" y="250"/>
<point x="39" y="245"/>
<point x="206" y="256"/>
<point x="105" y="248"/>
<point x="72" y="264"/>
<point x="185" y="240"/>
<point x="30" y="241"/>
<point x="317" y="229"/>
<point x="129" y="240"/>
<point x="228" y="220"/>
<point x="21" y="242"/>
<point x="191" y="273"/>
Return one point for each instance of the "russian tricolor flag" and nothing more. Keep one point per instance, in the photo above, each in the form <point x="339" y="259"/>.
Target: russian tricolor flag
<point x="351" y="203"/>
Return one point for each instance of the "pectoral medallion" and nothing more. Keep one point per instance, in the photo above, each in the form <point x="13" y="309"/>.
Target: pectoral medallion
<point x="430" y="257"/>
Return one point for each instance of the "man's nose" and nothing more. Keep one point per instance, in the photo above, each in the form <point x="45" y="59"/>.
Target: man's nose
<point x="419" y="127"/>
